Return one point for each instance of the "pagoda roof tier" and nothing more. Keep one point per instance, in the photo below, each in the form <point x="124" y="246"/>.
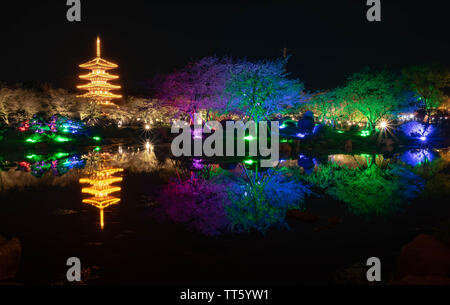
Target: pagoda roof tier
<point x="100" y="192"/>
<point x="106" y="181"/>
<point x="100" y="96"/>
<point x="99" y="76"/>
<point x="107" y="103"/>
<point x="109" y="171"/>
<point x="98" y="86"/>
<point x="101" y="202"/>
<point x="99" y="64"/>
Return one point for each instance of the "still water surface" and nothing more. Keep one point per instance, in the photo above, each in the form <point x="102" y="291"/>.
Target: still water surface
<point x="99" y="206"/>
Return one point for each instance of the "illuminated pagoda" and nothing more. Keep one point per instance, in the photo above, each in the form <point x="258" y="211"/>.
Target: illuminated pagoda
<point x="101" y="189"/>
<point x="99" y="88"/>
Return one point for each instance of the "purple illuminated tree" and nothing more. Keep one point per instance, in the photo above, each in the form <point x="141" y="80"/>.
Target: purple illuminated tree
<point x="198" y="86"/>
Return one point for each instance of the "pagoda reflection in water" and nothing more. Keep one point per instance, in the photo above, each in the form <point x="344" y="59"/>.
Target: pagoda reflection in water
<point x="102" y="189"/>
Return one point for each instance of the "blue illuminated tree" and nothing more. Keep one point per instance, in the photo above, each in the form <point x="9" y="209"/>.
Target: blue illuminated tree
<point x="262" y="89"/>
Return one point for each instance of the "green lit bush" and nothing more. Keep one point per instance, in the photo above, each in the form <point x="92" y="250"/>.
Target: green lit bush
<point x="437" y="177"/>
<point x="371" y="190"/>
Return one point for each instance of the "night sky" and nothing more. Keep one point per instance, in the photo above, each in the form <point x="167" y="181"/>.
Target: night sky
<point x="328" y="40"/>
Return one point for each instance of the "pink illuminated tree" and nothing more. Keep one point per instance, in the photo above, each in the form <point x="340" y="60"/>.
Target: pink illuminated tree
<point x="198" y="86"/>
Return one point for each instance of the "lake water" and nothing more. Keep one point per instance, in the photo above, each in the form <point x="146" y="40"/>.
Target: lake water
<point x="101" y="205"/>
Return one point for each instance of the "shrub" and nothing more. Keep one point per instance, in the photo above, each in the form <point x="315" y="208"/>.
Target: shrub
<point x="416" y="129"/>
<point x="370" y="190"/>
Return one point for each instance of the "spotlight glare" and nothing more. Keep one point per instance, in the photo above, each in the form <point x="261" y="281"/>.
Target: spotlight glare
<point x="148" y="145"/>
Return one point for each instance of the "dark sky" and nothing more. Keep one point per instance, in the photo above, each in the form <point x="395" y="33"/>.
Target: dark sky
<point x="327" y="39"/>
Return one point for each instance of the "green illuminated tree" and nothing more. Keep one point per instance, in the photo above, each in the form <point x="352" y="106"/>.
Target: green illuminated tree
<point x="427" y="81"/>
<point x="367" y="189"/>
<point x="374" y="95"/>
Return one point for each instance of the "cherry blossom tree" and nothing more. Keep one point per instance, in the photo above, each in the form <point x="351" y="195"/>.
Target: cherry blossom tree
<point x="18" y="104"/>
<point x="262" y="89"/>
<point x="198" y="86"/>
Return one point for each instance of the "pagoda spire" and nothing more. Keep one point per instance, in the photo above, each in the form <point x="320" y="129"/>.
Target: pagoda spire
<point x="98" y="46"/>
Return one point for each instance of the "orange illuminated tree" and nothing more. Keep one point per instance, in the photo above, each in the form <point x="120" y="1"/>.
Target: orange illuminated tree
<point x="99" y="88"/>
